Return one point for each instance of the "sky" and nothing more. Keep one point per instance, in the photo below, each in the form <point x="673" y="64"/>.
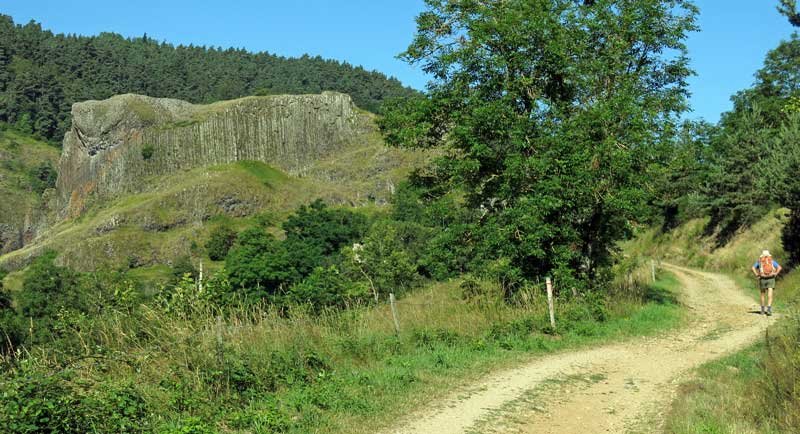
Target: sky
<point x="734" y="38"/>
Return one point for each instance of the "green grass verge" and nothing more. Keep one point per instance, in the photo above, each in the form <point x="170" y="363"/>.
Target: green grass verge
<point x="721" y="398"/>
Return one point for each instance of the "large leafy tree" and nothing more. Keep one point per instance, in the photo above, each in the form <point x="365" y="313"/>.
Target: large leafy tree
<point x="552" y="112"/>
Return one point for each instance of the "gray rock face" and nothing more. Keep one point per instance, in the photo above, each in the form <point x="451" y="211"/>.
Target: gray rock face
<point x="116" y="144"/>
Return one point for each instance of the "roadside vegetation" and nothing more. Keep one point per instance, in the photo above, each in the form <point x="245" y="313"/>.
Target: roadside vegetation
<point x="102" y="356"/>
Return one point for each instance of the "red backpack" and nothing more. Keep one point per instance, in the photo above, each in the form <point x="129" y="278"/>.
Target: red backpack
<point x="766" y="266"/>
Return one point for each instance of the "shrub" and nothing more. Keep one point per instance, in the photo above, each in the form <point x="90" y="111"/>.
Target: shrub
<point x="384" y="259"/>
<point x="329" y="229"/>
<point x="49" y="293"/>
<point x="42" y="402"/>
<point x="779" y="386"/>
<point x="182" y="267"/>
<point x="43" y="177"/>
<point x="11" y="334"/>
<point x="190" y="425"/>
<point x="260" y="265"/>
<point x="326" y="287"/>
<point x="147" y="152"/>
<point x="220" y="242"/>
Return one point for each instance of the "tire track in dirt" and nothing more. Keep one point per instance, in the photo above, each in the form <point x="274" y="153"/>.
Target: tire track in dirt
<point x="613" y="388"/>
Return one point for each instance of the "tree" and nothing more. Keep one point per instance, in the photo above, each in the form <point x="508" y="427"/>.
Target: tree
<point x="260" y="266"/>
<point x="789" y="9"/>
<point x="326" y="228"/>
<point x="220" y="242"/>
<point x="42" y="74"/>
<point x="552" y="112"/>
<point x="326" y="287"/>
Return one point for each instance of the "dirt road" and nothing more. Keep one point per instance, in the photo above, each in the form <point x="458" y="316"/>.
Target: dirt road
<point x="617" y="388"/>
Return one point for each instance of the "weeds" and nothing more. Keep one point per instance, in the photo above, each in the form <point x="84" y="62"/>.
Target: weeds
<point x="254" y="368"/>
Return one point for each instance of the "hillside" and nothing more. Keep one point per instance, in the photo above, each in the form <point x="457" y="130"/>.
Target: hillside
<point x="142" y="180"/>
<point x="27" y="169"/>
<point x="43" y="74"/>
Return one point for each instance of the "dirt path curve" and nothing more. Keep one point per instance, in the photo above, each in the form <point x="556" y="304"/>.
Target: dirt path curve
<point x="614" y="388"/>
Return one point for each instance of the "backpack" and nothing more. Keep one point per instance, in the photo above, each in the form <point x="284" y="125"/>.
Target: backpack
<point x="766" y="266"/>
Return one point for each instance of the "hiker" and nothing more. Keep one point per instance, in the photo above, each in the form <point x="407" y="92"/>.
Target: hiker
<point x="766" y="270"/>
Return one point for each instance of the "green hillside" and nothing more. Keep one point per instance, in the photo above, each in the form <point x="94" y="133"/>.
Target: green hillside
<point x="175" y="213"/>
<point x="27" y="169"/>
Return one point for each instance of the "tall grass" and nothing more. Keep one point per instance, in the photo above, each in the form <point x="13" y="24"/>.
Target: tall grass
<point x="259" y="369"/>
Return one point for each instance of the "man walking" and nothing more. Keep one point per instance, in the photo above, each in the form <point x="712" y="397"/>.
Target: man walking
<point x="766" y="270"/>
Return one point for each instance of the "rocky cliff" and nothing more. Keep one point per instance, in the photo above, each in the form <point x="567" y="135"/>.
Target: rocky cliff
<point x="156" y="174"/>
<point x="115" y="146"/>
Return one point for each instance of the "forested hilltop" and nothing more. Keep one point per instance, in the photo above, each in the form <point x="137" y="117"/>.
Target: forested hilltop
<point x="42" y="74"/>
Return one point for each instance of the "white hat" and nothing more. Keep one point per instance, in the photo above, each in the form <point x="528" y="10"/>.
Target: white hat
<point x="765" y="253"/>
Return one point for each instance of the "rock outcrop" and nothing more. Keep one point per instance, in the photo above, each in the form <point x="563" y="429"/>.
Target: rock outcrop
<point x="116" y="145"/>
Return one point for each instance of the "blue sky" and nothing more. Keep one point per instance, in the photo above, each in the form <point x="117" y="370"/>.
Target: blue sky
<point x="735" y="35"/>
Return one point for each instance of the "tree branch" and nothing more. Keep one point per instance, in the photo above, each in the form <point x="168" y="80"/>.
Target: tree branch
<point x="789" y="9"/>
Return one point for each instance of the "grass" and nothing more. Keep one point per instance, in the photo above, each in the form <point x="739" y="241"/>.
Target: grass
<point x="261" y="370"/>
<point x="720" y="399"/>
<point x="754" y="390"/>
<point x="171" y="212"/>
<point x="20" y="155"/>
<point x="174" y="214"/>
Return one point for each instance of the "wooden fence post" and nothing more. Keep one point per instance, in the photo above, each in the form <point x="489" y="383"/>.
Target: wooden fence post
<point x="653" y="269"/>
<point x="200" y="279"/>
<point x="393" y="304"/>
<point x="549" y="284"/>
<point x="220" y="345"/>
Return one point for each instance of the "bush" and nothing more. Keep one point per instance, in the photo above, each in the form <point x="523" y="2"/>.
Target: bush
<point x="42" y="402"/>
<point x="183" y="266"/>
<point x="50" y="294"/>
<point x="43" y="177"/>
<point x="220" y="243"/>
<point x="779" y="386"/>
<point x="11" y="334"/>
<point x="260" y="265"/>
<point x="326" y="287"/>
<point x="147" y="152"/>
<point x="329" y="229"/>
<point x="384" y="258"/>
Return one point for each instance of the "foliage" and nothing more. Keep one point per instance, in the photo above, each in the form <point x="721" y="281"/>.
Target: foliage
<point x="260" y="265"/>
<point x="220" y="242"/>
<point x="781" y="380"/>
<point x="10" y="333"/>
<point x="42" y="74"/>
<point x="48" y="296"/>
<point x="183" y="266"/>
<point x="326" y="287"/>
<point x="325" y="228"/>
<point x="737" y="171"/>
<point x="43" y="177"/>
<point x="789" y="9"/>
<point x="385" y="260"/>
<point x="263" y="267"/>
<point x="147" y="152"/>
<point x="553" y="113"/>
<point x="37" y="401"/>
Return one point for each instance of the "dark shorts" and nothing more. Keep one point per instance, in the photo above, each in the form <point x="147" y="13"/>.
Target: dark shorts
<point x="766" y="283"/>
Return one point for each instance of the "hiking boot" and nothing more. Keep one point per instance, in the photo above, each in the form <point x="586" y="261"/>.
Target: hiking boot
<point x="762" y="310"/>
<point x="769" y="311"/>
